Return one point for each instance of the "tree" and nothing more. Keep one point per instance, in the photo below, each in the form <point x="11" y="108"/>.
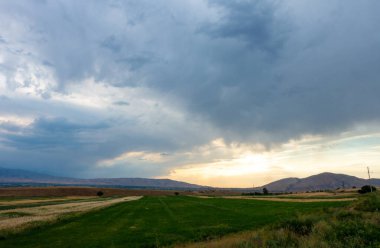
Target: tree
<point x="265" y="191"/>
<point x="367" y="189"/>
<point x="100" y="193"/>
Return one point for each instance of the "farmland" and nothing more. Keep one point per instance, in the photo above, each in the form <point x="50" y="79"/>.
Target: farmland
<point x="16" y="217"/>
<point x="156" y="221"/>
<point x="356" y="225"/>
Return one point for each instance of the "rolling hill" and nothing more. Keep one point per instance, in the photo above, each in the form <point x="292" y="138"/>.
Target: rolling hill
<point x="321" y="181"/>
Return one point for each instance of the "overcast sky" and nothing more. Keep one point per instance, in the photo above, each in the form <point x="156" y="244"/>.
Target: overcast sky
<point x="219" y="92"/>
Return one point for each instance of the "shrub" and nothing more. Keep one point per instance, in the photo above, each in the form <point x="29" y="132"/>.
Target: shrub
<point x="176" y="193"/>
<point x="370" y="203"/>
<point x="100" y="193"/>
<point x="367" y="189"/>
<point x="355" y="233"/>
<point x="280" y="238"/>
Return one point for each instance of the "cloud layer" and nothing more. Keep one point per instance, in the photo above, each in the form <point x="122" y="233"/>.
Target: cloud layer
<point x="82" y="82"/>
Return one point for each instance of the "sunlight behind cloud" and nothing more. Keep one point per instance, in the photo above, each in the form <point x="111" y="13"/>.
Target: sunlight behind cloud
<point x="243" y="166"/>
<point x="135" y="156"/>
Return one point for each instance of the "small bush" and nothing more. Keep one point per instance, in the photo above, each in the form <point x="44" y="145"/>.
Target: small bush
<point x="100" y="193"/>
<point x="176" y="193"/>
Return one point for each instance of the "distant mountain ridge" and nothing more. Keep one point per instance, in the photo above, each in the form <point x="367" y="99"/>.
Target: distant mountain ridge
<point x="321" y="181"/>
<point x="22" y="177"/>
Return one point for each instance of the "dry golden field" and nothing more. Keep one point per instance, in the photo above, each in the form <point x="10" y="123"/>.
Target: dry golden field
<point x="19" y="217"/>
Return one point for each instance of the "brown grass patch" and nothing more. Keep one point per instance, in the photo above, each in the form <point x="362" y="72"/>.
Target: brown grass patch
<point x="56" y="199"/>
<point x="61" y="191"/>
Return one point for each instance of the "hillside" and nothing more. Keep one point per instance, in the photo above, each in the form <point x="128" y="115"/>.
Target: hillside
<point x="321" y="181"/>
<point x="24" y="177"/>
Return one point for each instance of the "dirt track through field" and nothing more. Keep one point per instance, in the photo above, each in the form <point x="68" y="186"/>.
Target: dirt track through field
<point x="52" y="212"/>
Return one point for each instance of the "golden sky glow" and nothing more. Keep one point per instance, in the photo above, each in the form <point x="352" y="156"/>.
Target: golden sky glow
<point x="243" y="166"/>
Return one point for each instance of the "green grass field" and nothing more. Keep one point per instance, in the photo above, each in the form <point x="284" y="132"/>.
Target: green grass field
<point x="161" y="221"/>
<point x="309" y="197"/>
<point x="355" y="226"/>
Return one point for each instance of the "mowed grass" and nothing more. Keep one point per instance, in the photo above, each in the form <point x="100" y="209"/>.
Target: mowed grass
<point x="156" y="221"/>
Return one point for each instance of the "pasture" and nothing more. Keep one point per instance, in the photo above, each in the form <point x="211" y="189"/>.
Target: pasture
<point x="159" y="221"/>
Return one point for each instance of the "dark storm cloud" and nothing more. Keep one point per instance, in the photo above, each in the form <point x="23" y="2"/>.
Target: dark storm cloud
<point x="256" y="71"/>
<point x="309" y="80"/>
<point x="253" y="22"/>
<point x="55" y="145"/>
<point x="50" y="134"/>
<point x="69" y="140"/>
<point x="62" y="147"/>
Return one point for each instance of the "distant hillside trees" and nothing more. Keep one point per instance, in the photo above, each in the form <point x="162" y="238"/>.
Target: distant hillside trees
<point x="265" y="191"/>
<point x="367" y="189"/>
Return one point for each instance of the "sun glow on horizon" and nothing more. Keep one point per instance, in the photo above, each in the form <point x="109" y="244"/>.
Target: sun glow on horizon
<point x="243" y="166"/>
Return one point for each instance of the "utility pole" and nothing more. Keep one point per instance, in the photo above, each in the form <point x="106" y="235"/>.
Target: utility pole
<point x="369" y="178"/>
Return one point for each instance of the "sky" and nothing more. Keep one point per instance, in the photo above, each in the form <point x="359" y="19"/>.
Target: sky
<point x="220" y="92"/>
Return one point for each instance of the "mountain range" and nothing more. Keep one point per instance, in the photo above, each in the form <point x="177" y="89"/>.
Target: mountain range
<point x="321" y="181"/>
<point x="24" y="177"/>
